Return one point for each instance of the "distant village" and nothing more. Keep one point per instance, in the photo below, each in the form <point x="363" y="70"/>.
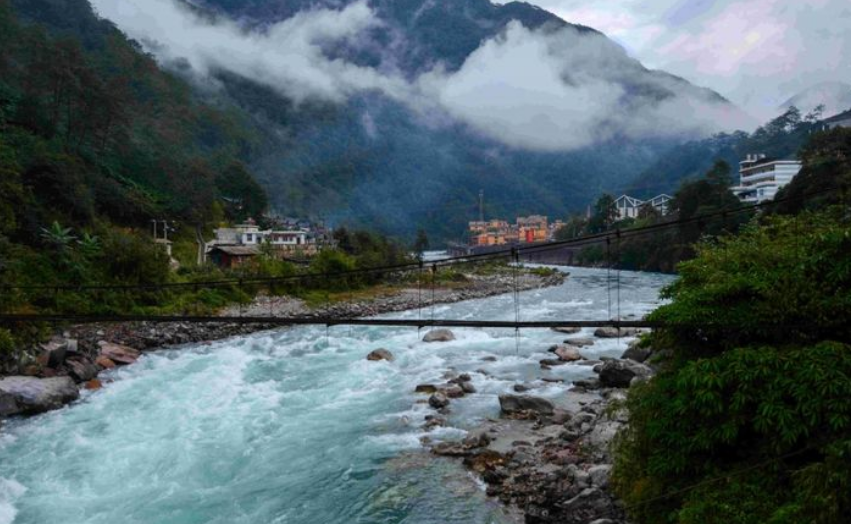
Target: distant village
<point x="296" y="240"/>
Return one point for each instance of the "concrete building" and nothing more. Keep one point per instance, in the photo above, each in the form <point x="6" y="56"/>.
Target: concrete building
<point x="760" y="177"/>
<point x="292" y="244"/>
<point x="630" y="207"/>
<point x="496" y="232"/>
<point x="840" y="120"/>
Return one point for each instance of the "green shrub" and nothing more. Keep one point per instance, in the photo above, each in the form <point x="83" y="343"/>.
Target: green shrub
<point x="749" y="419"/>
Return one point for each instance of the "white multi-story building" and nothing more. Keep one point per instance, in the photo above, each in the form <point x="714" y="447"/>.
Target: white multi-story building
<point x="760" y="178"/>
<point x="840" y="120"/>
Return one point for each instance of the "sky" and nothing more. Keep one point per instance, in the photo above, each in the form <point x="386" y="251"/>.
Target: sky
<point x="757" y="53"/>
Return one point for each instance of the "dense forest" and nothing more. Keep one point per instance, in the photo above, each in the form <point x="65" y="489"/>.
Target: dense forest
<point x="749" y="418"/>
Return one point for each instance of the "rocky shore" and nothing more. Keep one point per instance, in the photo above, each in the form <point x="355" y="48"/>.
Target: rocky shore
<point x="548" y="457"/>
<point x="73" y="359"/>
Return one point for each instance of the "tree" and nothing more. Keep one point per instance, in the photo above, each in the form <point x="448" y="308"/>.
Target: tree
<point x="421" y="244"/>
<point x="720" y="174"/>
<point x="824" y="179"/>
<point x="604" y="215"/>
<point x="749" y="419"/>
<point x="58" y="237"/>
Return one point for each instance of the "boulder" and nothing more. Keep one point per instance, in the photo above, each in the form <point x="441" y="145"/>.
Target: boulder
<point x="453" y="391"/>
<point x="613" y="332"/>
<point x="54" y="352"/>
<point x="549" y="362"/>
<point x="426" y="388"/>
<point x="438" y="401"/>
<point x="520" y="388"/>
<point x="121" y="355"/>
<point x="567" y="330"/>
<point x="636" y="352"/>
<point x="468" y="387"/>
<point x="580" y="342"/>
<point x="381" y="354"/>
<point x="600" y="474"/>
<point x="81" y="369"/>
<point x="30" y="395"/>
<point x="589" y="505"/>
<point x="93" y="384"/>
<point x="460" y="379"/>
<point x="568" y="353"/>
<point x="439" y="335"/>
<point x="619" y="373"/>
<point x="104" y="362"/>
<point x="512" y="404"/>
<point x="432" y="421"/>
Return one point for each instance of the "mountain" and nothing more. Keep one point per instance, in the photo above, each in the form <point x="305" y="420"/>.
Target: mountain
<point x="394" y="114"/>
<point x="94" y="134"/>
<point x="781" y="138"/>
<point x="834" y="96"/>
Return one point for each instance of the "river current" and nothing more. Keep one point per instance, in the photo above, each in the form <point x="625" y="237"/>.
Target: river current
<point x="294" y="426"/>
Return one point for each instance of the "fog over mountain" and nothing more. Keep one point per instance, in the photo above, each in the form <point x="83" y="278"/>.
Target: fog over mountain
<point x="464" y="86"/>
<point x="834" y="96"/>
<point x="556" y="87"/>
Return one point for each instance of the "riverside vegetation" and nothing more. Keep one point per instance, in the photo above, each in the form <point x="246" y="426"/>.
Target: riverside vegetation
<point x="749" y="418"/>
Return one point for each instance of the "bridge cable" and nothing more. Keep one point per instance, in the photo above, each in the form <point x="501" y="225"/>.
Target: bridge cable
<point x="433" y="300"/>
<point x="609" y="275"/>
<point x="594" y="238"/>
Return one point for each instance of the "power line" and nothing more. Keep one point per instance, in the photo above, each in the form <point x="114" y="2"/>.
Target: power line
<point x="461" y="259"/>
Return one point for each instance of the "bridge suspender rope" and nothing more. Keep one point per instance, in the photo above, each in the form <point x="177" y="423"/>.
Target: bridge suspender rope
<point x="516" y="261"/>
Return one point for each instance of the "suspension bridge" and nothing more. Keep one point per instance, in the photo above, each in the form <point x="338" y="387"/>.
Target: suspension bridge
<point x="610" y="241"/>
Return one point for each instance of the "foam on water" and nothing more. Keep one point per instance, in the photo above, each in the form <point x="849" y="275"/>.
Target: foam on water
<point x="292" y="426"/>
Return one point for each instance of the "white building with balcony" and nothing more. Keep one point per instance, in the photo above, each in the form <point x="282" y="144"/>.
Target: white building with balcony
<point x="760" y="178"/>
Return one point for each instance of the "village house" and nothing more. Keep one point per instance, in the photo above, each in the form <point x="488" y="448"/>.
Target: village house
<point x="497" y="232"/>
<point x="236" y="245"/>
<point x="630" y="207"/>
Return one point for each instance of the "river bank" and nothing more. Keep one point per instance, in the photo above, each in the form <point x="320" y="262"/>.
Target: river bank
<point x="80" y="353"/>
<point x="550" y="458"/>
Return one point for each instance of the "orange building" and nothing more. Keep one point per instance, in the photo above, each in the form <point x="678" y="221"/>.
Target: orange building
<point x="497" y="232"/>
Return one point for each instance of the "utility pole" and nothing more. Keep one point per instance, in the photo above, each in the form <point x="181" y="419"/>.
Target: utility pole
<point x="481" y="205"/>
<point x="155" y="228"/>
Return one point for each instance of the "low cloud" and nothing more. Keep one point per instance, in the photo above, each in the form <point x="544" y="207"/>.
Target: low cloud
<point x="564" y="90"/>
<point x="287" y="56"/>
<point x="540" y="90"/>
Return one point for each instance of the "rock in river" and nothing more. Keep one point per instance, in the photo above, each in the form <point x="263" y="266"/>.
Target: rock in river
<point x="568" y="353"/>
<point x="579" y="342"/>
<point x="439" y="335"/>
<point x="613" y="332"/>
<point x="512" y="404"/>
<point x="438" y="400"/>
<point x="381" y="354"/>
<point x="619" y="373"/>
<point x="30" y="395"/>
<point x="567" y="330"/>
<point x="121" y="355"/>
